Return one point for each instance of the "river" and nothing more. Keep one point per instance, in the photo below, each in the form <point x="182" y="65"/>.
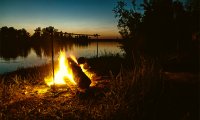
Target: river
<point x="34" y="56"/>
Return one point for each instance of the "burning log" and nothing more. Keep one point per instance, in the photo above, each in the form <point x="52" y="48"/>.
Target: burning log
<point x="82" y="80"/>
<point x="71" y="73"/>
<point x="81" y="60"/>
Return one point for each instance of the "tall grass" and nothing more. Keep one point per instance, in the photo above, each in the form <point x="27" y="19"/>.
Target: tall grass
<point x="134" y="91"/>
<point x="128" y="95"/>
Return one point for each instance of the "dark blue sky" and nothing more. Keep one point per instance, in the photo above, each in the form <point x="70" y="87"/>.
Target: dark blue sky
<point x="79" y="16"/>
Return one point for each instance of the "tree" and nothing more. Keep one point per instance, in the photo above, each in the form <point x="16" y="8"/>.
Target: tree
<point x="129" y="25"/>
<point x="38" y="32"/>
<point x="164" y="26"/>
<point x="128" y="20"/>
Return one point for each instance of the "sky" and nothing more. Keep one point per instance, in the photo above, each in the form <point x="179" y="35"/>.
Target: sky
<point x="73" y="16"/>
<point x="76" y="16"/>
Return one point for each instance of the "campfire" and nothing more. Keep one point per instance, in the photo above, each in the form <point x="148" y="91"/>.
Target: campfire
<point x="71" y="73"/>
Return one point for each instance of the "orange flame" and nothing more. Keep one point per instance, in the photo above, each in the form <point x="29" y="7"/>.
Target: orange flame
<point x="64" y="75"/>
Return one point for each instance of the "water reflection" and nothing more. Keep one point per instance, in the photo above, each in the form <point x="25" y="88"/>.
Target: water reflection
<point x="37" y="52"/>
<point x="30" y="60"/>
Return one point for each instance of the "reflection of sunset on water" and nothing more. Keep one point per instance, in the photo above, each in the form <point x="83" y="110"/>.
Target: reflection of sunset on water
<point x="41" y="57"/>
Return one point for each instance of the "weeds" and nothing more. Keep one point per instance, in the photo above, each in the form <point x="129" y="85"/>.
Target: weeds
<point x="123" y="96"/>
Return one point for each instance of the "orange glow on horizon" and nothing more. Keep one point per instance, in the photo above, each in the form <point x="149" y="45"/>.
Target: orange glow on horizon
<point x="105" y="33"/>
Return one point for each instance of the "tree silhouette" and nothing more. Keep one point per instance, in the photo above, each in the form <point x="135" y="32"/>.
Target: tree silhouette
<point x="14" y="42"/>
<point x="38" y="32"/>
<point x="165" y="27"/>
<point x="129" y="20"/>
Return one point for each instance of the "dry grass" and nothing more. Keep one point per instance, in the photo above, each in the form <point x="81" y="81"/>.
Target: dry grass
<point x="119" y="97"/>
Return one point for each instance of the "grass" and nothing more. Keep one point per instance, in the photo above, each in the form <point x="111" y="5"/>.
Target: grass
<point x="131" y="94"/>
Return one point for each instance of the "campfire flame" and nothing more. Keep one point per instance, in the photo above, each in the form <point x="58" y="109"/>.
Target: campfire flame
<point x="64" y="75"/>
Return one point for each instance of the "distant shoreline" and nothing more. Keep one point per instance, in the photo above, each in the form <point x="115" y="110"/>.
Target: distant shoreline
<point x="106" y="40"/>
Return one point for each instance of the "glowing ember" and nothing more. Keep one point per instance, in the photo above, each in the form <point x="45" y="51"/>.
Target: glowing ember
<point x="88" y="73"/>
<point x="64" y="75"/>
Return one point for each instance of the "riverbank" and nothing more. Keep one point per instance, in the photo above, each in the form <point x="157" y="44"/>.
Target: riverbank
<point x="144" y="92"/>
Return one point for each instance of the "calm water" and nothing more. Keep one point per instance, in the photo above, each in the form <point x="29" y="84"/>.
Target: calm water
<point x="36" y="56"/>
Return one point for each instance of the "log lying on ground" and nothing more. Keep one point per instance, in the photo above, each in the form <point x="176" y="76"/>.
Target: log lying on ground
<point x="83" y="82"/>
<point x="81" y="60"/>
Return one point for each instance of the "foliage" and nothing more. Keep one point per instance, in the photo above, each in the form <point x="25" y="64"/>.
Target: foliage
<point x="129" y="20"/>
<point x="18" y="42"/>
<point x="161" y="27"/>
<point x="9" y="42"/>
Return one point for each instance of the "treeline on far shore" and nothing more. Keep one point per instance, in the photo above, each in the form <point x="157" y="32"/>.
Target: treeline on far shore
<point x="19" y="42"/>
<point x="13" y="33"/>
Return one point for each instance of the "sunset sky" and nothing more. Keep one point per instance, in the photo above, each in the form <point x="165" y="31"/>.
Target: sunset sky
<point x="77" y="16"/>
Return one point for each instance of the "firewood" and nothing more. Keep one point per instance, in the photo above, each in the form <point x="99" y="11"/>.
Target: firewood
<point x="81" y="60"/>
<point x="83" y="82"/>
